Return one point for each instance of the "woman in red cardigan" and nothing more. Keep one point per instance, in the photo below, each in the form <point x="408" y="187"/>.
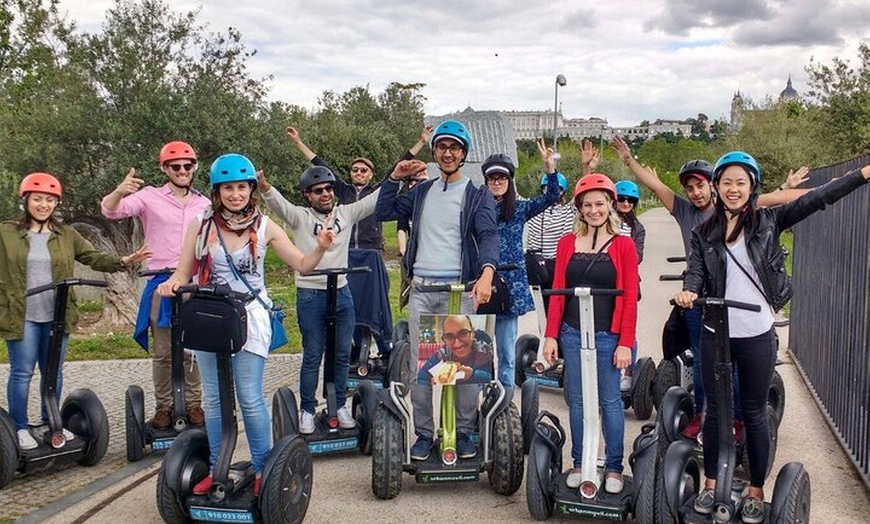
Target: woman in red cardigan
<point x="595" y="256"/>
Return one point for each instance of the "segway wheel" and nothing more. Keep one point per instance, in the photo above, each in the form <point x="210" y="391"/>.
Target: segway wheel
<point x="666" y="376"/>
<point x="286" y="491"/>
<point x="776" y="396"/>
<point x="644" y="468"/>
<point x="8" y="449"/>
<point x="677" y="409"/>
<point x="285" y="414"/>
<point x="681" y="480"/>
<point x="529" y="409"/>
<point x="134" y="428"/>
<point x="539" y="477"/>
<point x="773" y="435"/>
<point x="506" y="474"/>
<point x="526" y="350"/>
<point x="83" y="414"/>
<point x="399" y="365"/>
<point x="168" y="504"/>
<point x="641" y="391"/>
<point x="791" y="495"/>
<point x="387" y="454"/>
<point x="365" y="401"/>
<point x="401" y="331"/>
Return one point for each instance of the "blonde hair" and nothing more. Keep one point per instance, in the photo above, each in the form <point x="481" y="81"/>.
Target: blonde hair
<point x="612" y="223"/>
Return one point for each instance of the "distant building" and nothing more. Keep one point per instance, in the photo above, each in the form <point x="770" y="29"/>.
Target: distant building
<point x="789" y="93"/>
<point x="529" y="125"/>
<point x="739" y="109"/>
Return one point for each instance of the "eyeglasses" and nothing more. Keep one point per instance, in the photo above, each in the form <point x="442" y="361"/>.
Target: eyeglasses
<point x="320" y="190"/>
<point x="178" y="167"/>
<point x="450" y="338"/>
<point x="496" y="179"/>
<point x="622" y="198"/>
<point x="454" y="148"/>
<point x="356" y="169"/>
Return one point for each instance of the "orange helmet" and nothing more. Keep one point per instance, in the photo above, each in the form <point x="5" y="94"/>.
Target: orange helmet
<point x="595" y="181"/>
<point x="176" y="151"/>
<point x="40" y="183"/>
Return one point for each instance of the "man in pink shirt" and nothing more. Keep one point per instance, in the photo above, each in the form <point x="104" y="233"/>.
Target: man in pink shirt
<point x="165" y="213"/>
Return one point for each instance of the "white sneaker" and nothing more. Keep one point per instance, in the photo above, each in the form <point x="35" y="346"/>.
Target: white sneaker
<point x="68" y="435"/>
<point x="625" y="383"/>
<point x="345" y="419"/>
<point x="575" y="478"/>
<point x="613" y="483"/>
<point x="306" y="423"/>
<point x="26" y="440"/>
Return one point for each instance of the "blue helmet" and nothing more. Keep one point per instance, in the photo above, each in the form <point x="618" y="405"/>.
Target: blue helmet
<point x="563" y="182"/>
<point x="629" y="189"/>
<point x="232" y="167"/>
<point x="452" y="129"/>
<point x="739" y="158"/>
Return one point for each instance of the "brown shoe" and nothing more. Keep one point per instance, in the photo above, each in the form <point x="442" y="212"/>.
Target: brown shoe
<point x="162" y="419"/>
<point x="195" y="416"/>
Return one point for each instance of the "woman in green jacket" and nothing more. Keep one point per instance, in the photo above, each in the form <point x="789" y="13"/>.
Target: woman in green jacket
<point x="35" y="250"/>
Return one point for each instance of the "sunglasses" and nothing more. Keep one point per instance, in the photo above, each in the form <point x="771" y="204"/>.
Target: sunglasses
<point x="626" y="199"/>
<point x="359" y="169"/>
<point x="320" y="190"/>
<point x="178" y="167"/>
<point x="450" y="338"/>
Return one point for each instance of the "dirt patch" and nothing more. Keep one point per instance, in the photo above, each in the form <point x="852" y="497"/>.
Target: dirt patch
<point x="90" y="324"/>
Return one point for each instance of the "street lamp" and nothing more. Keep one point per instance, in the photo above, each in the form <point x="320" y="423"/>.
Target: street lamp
<point x="560" y="81"/>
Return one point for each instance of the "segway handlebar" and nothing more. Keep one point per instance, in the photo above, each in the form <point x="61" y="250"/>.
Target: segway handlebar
<point x="727" y="302"/>
<point x="671" y="278"/>
<point x="676" y="259"/>
<point x="571" y="291"/>
<point x="152" y="272"/>
<point x="468" y="286"/>
<point x="338" y="271"/>
<point x="218" y="291"/>
<point x="69" y="282"/>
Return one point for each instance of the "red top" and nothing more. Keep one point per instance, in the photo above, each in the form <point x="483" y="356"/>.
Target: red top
<point x="624" y="257"/>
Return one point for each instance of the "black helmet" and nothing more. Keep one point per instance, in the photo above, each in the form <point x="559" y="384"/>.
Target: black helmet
<point x="315" y="175"/>
<point x="500" y="162"/>
<point x="696" y="167"/>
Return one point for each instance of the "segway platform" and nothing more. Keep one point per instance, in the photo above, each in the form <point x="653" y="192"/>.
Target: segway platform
<point x="433" y="471"/>
<point x="604" y="506"/>
<point x="45" y="456"/>
<point x="239" y="506"/>
<point x="331" y="440"/>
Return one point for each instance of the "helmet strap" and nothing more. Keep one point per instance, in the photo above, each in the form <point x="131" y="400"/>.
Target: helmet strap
<point x="595" y="236"/>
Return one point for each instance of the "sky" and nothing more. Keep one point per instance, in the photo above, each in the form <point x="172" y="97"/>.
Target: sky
<point x="625" y="61"/>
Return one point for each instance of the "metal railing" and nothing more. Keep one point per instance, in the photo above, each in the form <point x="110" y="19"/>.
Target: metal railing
<point x="829" y="333"/>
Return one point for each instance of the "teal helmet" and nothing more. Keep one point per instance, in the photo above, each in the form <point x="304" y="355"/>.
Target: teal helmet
<point x="563" y="182"/>
<point x="232" y="167"/>
<point x="627" y="188"/>
<point x="742" y="159"/>
<point x="452" y="129"/>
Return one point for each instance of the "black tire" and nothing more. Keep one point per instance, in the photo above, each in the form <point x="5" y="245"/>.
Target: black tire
<point x="776" y="396"/>
<point x="286" y="492"/>
<point x="365" y="401"/>
<point x="773" y="435"/>
<point x="132" y="426"/>
<point x="791" y="495"/>
<point x="506" y="475"/>
<point x="529" y="406"/>
<point x="526" y="351"/>
<point x="666" y="376"/>
<point x="539" y="475"/>
<point x="401" y="331"/>
<point x="641" y="388"/>
<point x="167" y="502"/>
<point x="400" y="366"/>
<point x="645" y="503"/>
<point x="676" y="410"/>
<point x="688" y="482"/>
<point x="387" y="453"/>
<point x="8" y="449"/>
<point x="83" y="414"/>
<point x="285" y="414"/>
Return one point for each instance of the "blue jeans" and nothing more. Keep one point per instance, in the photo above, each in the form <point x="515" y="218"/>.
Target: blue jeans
<point x="609" y="396"/>
<point x="505" y="340"/>
<point x="694" y="327"/>
<point x="311" y="312"/>
<point x="24" y="355"/>
<point x="248" y="378"/>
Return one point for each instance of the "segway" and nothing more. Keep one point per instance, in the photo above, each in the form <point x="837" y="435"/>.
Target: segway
<point x="499" y="433"/>
<point x="328" y="435"/>
<point x="141" y="434"/>
<point x="82" y="413"/>
<point x="287" y="475"/>
<point x="546" y="484"/>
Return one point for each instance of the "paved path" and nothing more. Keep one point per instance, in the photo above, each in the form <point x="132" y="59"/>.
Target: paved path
<point x="115" y="492"/>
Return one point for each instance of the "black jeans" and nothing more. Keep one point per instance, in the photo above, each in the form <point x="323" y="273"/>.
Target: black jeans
<point x="754" y="359"/>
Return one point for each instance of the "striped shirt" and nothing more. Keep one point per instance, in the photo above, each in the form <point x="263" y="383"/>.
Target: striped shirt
<point x="544" y="231"/>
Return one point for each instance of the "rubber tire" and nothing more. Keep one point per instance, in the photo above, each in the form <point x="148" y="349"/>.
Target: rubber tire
<point x="645" y="501"/>
<point x="387" y="453"/>
<point x="538" y="497"/>
<point x="286" y="492"/>
<point x="665" y="377"/>
<point x="692" y="467"/>
<point x="133" y="429"/>
<point x="529" y="405"/>
<point x="526" y="351"/>
<point x="776" y="396"/>
<point x="641" y="394"/>
<point x="167" y="502"/>
<point x="365" y="401"/>
<point x="791" y="500"/>
<point x="285" y="414"/>
<point x="401" y="331"/>
<point x="506" y="475"/>
<point x="83" y="414"/>
<point x="399" y="365"/>
<point x="8" y="449"/>
<point x="773" y="432"/>
<point x="664" y="438"/>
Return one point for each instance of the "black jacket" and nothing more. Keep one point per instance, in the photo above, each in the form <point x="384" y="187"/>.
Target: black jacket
<point x="705" y="274"/>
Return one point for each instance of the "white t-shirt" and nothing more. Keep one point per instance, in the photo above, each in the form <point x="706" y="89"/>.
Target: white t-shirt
<point x="742" y="323"/>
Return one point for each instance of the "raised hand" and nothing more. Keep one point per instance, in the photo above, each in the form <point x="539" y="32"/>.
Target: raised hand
<point x="621" y="147"/>
<point x="130" y="184"/>
<point x="589" y="154"/>
<point x="408" y="168"/>
<point x="262" y="183"/>
<point x="426" y="133"/>
<point x="547" y="155"/>
<point x="796" y="178"/>
<point x="136" y="257"/>
<point x="293" y="133"/>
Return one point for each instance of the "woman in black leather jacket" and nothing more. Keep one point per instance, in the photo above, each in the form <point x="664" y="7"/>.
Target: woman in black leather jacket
<point x="736" y="254"/>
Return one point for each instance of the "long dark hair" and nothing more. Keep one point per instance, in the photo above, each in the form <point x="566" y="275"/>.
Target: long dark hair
<point x="508" y="203"/>
<point x="715" y="227"/>
<point x="25" y="221"/>
<point x="629" y="218"/>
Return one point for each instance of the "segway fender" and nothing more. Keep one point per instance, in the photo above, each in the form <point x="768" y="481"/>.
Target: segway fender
<point x="137" y="406"/>
<point x="274" y="453"/>
<point x="190" y="442"/>
<point x="383" y="397"/>
<point x="786" y="478"/>
<point x="676" y="404"/>
<point x="680" y="457"/>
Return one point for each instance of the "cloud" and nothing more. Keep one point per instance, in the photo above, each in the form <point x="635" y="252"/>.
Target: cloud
<point x="680" y="17"/>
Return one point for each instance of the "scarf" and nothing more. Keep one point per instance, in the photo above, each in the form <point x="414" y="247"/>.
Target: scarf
<point x="207" y="239"/>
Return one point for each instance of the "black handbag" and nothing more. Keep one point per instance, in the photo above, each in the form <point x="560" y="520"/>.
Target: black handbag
<point x="215" y="323"/>
<point x="536" y="269"/>
<point x="500" y="301"/>
<point x="675" y="334"/>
